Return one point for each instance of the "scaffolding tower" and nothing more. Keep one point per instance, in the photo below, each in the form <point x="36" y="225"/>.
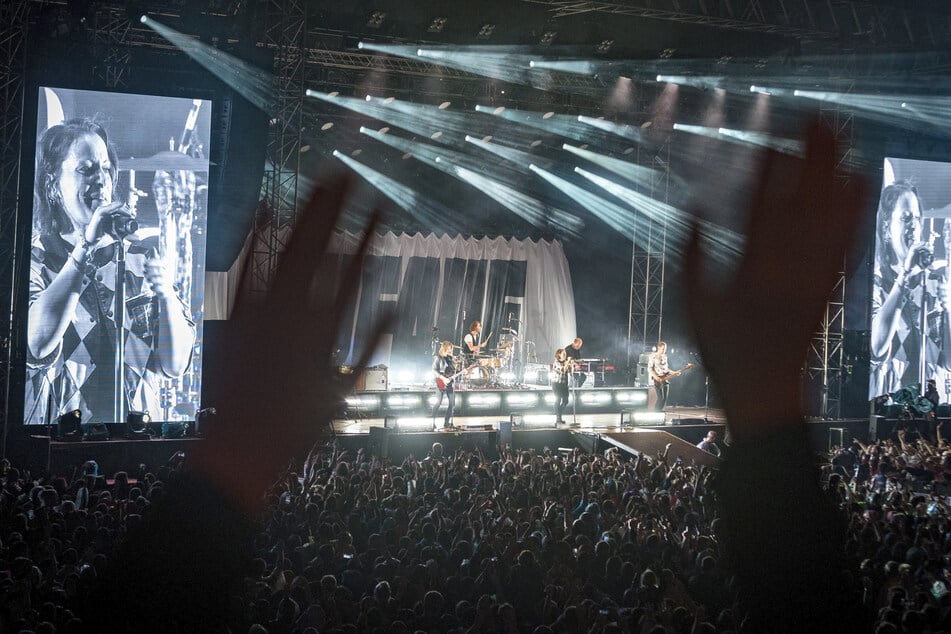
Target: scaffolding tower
<point x="648" y="256"/>
<point x="826" y="358"/>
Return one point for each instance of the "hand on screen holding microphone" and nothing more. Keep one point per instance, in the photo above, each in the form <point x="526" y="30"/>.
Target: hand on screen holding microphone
<point x="113" y="218"/>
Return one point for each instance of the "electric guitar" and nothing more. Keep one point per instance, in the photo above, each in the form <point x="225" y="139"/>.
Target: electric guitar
<point x="443" y="381"/>
<point x="671" y="375"/>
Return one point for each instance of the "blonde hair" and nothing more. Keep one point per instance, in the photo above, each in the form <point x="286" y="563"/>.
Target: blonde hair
<point x="445" y="348"/>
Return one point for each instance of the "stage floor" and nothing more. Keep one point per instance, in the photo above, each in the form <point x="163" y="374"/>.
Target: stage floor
<point x="585" y="422"/>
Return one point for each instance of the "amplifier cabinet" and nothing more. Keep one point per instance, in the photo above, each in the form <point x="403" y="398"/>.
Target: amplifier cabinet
<point x="372" y="380"/>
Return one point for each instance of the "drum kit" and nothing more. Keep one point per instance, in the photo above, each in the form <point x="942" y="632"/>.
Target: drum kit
<point x="496" y="369"/>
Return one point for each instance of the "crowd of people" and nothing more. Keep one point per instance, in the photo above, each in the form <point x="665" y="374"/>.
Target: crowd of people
<point x="531" y="541"/>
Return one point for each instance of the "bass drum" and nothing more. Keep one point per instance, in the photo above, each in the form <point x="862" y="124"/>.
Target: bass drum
<point x="479" y="376"/>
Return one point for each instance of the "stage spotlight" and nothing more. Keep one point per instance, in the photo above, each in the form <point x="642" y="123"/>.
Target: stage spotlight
<point x="483" y="401"/>
<point x="68" y="425"/>
<point x="645" y="418"/>
<point x="413" y="423"/>
<point x="137" y="425"/>
<point x="376" y="19"/>
<point x="401" y="402"/>
<point x="521" y="400"/>
<point x="530" y="421"/>
<point x="633" y="397"/>
<point x="486" y="31"/>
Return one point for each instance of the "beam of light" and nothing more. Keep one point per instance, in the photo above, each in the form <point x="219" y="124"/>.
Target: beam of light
<point x="637" y="174"/>
<point x="702" y="81"/>
<point x="761" y="139"/>
<point x="511" y="64"/>
<point x="466" y="169"/>
<point x="713" y="133"/>
<point x="618" y="218"/>
<point x="518" y="158"/>
<point x="522" y="205"/>
<point x="496" y="183"/>
<point x="257" y="86"/>
<point x="423" y="120"/>
<point x="428" y="212"/>
<point x="617" y="129"/>
<point x="550" y="122"/>
<point x="723" y="244"/>
<point x="425" y="152"/>
<point x="918" y="109"/>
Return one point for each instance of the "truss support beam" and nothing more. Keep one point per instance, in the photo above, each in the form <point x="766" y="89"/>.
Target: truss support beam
<point x="825" y="365"/>
<point x="648" y="258"/>
<point x="861" y="22"/>
<point x="13" y="34"/>
<point x="286" y="35"/>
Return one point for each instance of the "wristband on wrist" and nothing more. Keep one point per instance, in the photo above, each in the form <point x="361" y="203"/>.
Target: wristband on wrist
<point x="87" y="250"/>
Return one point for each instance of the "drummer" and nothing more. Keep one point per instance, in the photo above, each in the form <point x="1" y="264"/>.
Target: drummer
<point x="471" y="343"/>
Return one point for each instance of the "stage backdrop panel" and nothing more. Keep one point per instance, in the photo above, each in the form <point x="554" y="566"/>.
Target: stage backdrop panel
<point x="446" y="282"/>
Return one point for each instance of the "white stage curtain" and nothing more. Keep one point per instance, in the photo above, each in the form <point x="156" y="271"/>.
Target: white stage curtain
<point x="446" y="282"/>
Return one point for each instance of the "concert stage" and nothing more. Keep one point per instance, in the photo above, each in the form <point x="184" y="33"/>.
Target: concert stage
<point x="682" y="427"/>
<point x="494" y="403"/>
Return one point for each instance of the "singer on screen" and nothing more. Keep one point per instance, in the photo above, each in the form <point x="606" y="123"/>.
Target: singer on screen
<point x="83" y="238"/>
<point x="911" y="331"/>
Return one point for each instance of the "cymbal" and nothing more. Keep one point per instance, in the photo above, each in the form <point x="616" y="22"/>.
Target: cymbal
<point x="167" y="161"/>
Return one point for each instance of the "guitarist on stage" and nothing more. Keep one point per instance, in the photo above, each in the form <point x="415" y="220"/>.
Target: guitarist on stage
<point x="660" y="373"/>
<point x="445" y="368"/>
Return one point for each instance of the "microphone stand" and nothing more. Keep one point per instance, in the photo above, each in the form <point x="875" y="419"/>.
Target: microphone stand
<point x="706" y="398"/>
<point x="119" y="411"/>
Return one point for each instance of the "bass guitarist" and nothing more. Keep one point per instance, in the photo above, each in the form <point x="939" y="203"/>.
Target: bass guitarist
<point x="660" y="375"/>
<point x="445" y="369"/>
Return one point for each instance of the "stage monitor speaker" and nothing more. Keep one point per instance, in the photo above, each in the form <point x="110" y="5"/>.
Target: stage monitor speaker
<point x="643" y="378"/>
<point x="373" y="380"/>
<point x="379" y="442"/>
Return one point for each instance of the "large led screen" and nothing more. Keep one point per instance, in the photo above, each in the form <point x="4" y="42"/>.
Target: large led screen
<point x="910" y="341"/>
<point x="117" y="256"/>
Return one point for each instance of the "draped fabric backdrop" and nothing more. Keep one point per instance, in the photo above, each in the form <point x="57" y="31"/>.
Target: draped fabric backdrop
<point x="445" y="282"/>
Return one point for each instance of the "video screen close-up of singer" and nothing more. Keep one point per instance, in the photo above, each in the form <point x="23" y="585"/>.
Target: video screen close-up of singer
<point x="89" y="257"/>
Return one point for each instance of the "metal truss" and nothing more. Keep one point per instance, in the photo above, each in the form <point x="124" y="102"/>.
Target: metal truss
<point x="648" y="257"/>
<point x="13" y="33"/>
<point x="111" y="49"/>
<point x="286" y="35"/>
<point x="825" y="363"/>
<point x="875" y="22"/>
